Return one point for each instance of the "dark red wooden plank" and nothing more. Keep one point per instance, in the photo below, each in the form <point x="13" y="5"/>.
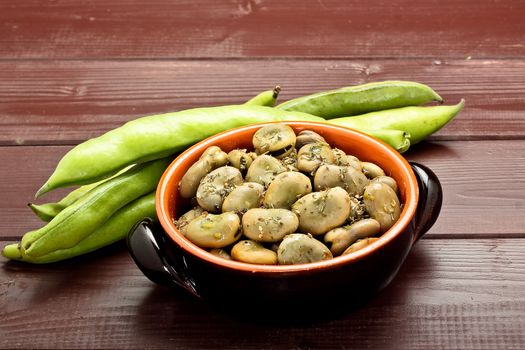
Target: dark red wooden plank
<point x="465" y="294"/>
<point x="22" y="170"/>
<point x="483" y="184"/>
<point x="257" y="28"/>
<point x="64" y="102"/>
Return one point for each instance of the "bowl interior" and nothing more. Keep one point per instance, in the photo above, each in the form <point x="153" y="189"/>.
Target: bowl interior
<point x="170" y="205"/>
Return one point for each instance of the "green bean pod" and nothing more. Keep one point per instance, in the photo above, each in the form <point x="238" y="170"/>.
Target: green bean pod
<point x="113" y="230"/>
<point x="418" y="122"/>
<point x="397" y="139"/>
<point x="362" y="99"/>
<point x="265" y="98"/>
<point x="47" y="211"/>
<point x="80" y="219"/>
<point x="155" y="137"/>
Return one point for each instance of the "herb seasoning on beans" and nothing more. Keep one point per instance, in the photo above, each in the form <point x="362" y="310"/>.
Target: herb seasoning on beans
<point x="292" y="199"/>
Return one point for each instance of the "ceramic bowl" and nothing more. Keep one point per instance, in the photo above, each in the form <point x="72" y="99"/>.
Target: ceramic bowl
<point x="166" y="257"/>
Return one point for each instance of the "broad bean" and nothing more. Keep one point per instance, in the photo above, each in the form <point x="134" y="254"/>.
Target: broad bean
<point x="382" y="203"/>
<point x="387" y="180"/>
<point x="253" y="253"/>
<point x="329" y="176"/>
<point x="211" y="159"/>
<point x="47" y="211"/>
<point x="416" y="122"/>
<point x="311" y="156"/>
<point x="298" y="248"/>
<point x="319" y="212"/>
<point x="278" y="140"/>
<point x="372" y="170"/>
<point x="80" y="219"/>
<point x="265" y="98"/>
<point x="268" y="225"/>
<point x="155" y="137"/>
<point x="221" y="253"/>
<point x="286" y="189"/>
<point x="342" y="237"/>
<point x="214" y="231"/>
<point x="113" y="230"/>
<point x="307" y="136"/>
<point x="264" y="169"/>
<point x="240" y="159"/>
<point x="361" y="99"/>
<point x="360" y="245"/>
<point x="243" y="197"/>
<point x="215" y="186"/>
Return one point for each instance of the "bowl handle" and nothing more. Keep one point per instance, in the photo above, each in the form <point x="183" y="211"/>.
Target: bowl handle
<point x="158" y="259"/>
<point x="430" y="199"/>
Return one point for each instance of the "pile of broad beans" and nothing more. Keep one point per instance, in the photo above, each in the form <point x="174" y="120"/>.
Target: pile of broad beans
<point x="290" y="199"/>
<point x="118" y="171"/>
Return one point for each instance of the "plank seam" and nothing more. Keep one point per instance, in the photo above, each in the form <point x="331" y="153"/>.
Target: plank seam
<point x="261" y="58"/>
<point x="29" y="143"/>
<point x="432" y="236"/>
<point x="519" y="235"/>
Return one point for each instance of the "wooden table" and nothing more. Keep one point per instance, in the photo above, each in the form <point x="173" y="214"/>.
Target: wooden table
<point x="70" y="70"/>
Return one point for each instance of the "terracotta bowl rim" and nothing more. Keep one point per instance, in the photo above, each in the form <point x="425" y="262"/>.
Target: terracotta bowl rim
<point x="408" y="211"/>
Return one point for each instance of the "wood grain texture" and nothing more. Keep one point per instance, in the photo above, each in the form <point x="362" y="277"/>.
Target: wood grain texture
<point x="22" y="171"/>
<point x="71" y="70"/>
<point x="260" y="28"/>
<point x="449" y="294"/>
<point x="65" y="102"/>
<point x="483" y="184"/>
